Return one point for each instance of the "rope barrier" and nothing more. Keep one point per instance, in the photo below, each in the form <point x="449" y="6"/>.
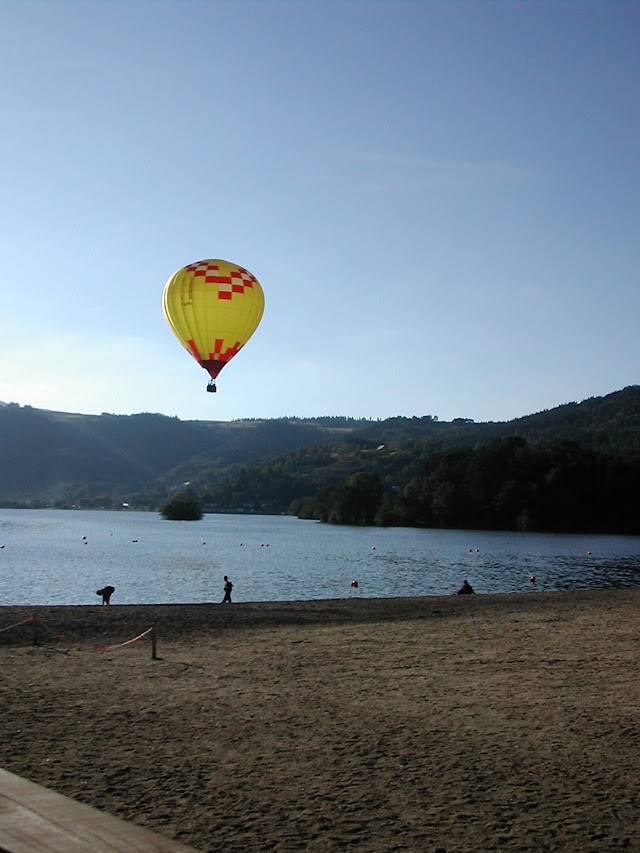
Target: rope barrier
<point x="16" y="624"/>
<point x="36" y="621"/>
<point x="126" y="642"/>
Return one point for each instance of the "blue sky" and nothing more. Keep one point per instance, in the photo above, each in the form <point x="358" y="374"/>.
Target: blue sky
<point x="440" y="200"/>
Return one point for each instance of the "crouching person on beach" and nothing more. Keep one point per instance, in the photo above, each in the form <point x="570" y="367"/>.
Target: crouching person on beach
<point x="466" y="589"/>
<point x="106" y="592"/>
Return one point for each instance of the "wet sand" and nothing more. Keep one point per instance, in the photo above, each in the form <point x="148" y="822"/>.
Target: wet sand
<point x="475" y="723"/>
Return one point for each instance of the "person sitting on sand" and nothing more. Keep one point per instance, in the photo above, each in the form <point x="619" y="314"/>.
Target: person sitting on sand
<point x="228" y="586"/>
<point x="466" y="589"/>
<point x="106" y="592"/>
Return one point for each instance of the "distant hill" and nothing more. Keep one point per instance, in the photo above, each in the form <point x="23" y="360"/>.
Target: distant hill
<point x="62" y="459"/>
<point x="58" y="458"/>
<point x="610" y="424"/>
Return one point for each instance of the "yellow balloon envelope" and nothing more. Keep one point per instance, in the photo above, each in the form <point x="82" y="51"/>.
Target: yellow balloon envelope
<point x="213" y="307"/>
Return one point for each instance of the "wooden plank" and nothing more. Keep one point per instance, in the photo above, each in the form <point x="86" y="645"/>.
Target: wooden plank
<point x="34" y="819"/>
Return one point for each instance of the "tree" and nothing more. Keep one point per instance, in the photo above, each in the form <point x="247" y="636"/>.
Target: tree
<point x="182" y="508"/>
<point x="357" y="502"/>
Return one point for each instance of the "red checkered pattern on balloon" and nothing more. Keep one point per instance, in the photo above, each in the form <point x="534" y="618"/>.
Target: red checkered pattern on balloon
<point x="236" y="282"/>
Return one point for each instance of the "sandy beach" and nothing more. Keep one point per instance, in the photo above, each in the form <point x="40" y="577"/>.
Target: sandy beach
<point x="475" y="723"/>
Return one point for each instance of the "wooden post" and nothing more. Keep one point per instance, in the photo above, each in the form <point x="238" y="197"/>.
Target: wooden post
<point x="154" y="656"/>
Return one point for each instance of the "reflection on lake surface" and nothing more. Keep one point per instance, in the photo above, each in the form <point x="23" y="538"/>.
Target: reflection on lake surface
<point x="63" y="557"/>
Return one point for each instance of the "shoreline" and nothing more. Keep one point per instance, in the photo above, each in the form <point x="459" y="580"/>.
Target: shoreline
<point x="186" y="619"/>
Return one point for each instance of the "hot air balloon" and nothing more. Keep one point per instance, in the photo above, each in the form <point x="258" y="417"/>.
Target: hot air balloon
<point x="213" y="307"/>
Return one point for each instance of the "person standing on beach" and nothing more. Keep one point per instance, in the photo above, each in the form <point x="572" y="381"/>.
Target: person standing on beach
<point x="466" y="589"/>
<point x="228" y="586"/>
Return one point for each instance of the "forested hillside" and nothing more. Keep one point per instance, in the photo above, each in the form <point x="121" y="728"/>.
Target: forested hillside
<point x="575" y="468"/>
<point x="572" y="467"/>
<point x="60" y="459"/>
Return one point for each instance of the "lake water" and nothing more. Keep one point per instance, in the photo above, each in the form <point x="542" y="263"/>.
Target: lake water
<point x="63" y="556"/>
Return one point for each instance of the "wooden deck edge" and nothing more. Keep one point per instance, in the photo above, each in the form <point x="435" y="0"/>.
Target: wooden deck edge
<point x="34" y="819"/>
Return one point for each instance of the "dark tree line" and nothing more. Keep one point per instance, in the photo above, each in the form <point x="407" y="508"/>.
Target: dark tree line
<point x="507" y="485"/>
